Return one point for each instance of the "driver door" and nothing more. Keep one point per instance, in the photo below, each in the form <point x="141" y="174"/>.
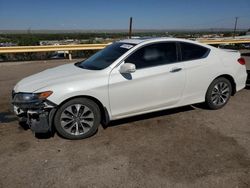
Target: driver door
<point x="157" y="83"/>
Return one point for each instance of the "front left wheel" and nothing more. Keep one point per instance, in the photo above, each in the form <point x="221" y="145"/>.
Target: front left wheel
<point x="77" y="119"/>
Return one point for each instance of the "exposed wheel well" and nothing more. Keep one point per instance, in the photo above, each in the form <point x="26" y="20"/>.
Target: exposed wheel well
<point x="104" y="113"/>
<point x="231" y="80"/>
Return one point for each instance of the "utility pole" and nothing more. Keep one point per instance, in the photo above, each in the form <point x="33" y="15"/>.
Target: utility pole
<point x="29" y="30"/>
<point x="130" y="27"/>
<point x="235" y="26"/>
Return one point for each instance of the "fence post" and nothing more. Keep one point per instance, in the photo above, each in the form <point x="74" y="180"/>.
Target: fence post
<point x="70" y="56"/>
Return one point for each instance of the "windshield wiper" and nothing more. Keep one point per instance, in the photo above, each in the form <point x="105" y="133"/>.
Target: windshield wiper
<point x="88" y="67"/>
<point x="78" y="64"/>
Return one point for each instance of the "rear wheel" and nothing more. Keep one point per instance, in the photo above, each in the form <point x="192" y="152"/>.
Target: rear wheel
<point x="218" y="93"/>
<point x="77" y="119"/>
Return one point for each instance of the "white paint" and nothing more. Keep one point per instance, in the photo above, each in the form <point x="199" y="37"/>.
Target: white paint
<point x="147" y="90"/>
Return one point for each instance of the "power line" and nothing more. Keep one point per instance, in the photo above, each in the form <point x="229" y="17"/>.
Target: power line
<point x="215" y="23"/>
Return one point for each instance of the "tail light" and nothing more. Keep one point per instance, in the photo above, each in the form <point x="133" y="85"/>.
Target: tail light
<point x="242" y="61"/>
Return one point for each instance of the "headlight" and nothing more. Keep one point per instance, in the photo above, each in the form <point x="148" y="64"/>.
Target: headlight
<point x="30" y="97"/>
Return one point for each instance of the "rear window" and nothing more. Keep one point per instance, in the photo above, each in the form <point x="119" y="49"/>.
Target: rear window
<point x="192" y="51"/>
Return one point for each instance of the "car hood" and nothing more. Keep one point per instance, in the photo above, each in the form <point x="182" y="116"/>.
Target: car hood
<point x="49" y="77"/>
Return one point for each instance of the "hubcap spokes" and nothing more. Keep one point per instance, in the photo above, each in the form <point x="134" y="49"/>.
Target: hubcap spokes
<point x="77" y="119"/>
<point x="220" y="93"/>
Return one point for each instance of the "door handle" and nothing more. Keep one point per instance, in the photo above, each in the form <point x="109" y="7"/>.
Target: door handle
<point x="176" y="69"/>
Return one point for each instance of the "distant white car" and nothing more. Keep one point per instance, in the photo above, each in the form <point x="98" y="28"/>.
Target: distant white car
<point x="128" y="78"/>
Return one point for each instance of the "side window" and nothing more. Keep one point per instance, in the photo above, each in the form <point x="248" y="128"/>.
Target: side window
<point x="153" y="55"/>
<point x="192" y="51"/>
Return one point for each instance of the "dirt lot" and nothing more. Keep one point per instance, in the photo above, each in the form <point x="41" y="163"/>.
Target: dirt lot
<point x="184" y="147"/>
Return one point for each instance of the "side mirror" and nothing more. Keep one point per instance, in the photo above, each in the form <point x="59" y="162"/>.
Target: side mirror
<point x="127" y="68"/>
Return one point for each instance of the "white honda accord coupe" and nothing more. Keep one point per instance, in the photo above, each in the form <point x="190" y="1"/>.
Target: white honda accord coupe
<point x="127" y="78"/>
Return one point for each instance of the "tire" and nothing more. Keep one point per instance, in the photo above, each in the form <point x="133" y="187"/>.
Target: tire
<point x="218" y="93"/>
<point x="77" y="119"/>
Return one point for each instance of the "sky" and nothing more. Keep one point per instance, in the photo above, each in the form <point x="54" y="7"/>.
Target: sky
<point x="114" y="14"/>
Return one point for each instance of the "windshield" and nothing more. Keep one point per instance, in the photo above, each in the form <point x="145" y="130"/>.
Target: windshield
<point x="105" y="57"/>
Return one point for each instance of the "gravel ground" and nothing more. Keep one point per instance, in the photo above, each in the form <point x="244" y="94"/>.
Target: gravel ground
<point x="183" y="147"/>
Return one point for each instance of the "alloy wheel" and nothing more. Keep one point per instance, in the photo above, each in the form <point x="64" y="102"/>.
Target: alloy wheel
<point x="220" y="93"/>
<point x="77" y="119"/>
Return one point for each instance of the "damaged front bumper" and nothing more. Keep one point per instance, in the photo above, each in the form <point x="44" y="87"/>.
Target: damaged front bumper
<point x="38" y="114"/>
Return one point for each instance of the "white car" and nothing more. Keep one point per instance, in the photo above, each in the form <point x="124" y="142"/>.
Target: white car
<point x="128" y="78"/>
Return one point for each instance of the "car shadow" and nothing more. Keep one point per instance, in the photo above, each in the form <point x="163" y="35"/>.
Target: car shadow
<point x="24" y="125"/>
<point x="247" y="87"/>
<point x="248" y="78"/>
<point x="7" y="117"/>
<point x="148" y="116"/>
<point x="245" y="54"/>
<point x="44" y="135"/>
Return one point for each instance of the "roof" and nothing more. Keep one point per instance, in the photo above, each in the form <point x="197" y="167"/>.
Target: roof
<point x="143" y="39"/>
<point x="154" y="39"/>
<point x="161" y="39"/>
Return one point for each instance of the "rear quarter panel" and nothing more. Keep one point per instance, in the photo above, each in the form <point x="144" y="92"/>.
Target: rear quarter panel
<point x="229" y="59"/>
<point x="200" y="73"/>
